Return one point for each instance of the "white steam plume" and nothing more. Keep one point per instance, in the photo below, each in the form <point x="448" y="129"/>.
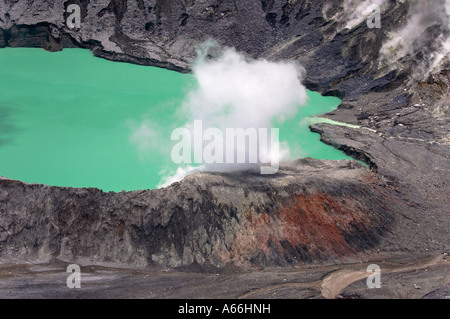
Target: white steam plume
<point x="145" y="137"/>
<point x="426" y="30"/>
<point x="416" y="36"/>
<point x="234" y="91"/>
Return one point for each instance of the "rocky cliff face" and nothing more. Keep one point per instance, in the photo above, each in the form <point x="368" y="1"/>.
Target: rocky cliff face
<point x="164" y="33"/>
<point x="312" y="211"/>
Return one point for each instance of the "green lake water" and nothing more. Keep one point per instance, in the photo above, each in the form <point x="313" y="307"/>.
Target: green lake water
<point x="68" y="119"/>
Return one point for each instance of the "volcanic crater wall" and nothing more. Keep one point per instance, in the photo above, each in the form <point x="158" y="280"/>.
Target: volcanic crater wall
<point x="312" y="212"/>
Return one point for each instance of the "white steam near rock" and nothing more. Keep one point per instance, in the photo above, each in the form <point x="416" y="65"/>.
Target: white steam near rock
<point x="423" y="16"/>
<point x="234" y="91"/>
<point x="412" y="36"/>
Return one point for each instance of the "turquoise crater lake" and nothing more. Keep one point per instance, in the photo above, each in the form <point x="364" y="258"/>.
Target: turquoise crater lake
<point x="70" y="119"/>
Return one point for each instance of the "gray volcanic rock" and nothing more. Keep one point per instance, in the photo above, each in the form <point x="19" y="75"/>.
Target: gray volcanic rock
<point x="311" y="211"/>
<point x="164" y="33"/>
<point x="422" y="164"/>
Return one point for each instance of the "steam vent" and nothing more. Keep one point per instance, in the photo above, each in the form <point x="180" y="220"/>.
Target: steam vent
<point x="309" y="230"/>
